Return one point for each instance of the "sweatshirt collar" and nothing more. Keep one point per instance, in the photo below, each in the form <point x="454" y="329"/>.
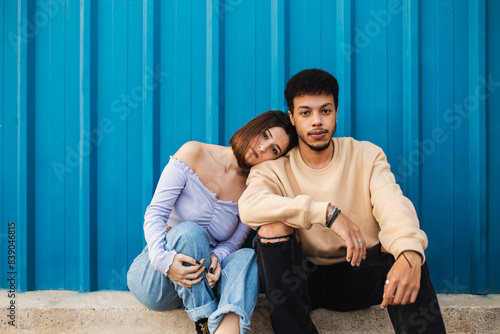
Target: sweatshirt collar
<point x="295" y="153"/>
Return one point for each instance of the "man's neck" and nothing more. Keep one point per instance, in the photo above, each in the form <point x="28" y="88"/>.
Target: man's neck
<point x="315" y="159"/>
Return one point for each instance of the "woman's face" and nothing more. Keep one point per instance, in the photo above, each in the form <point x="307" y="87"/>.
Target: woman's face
<point x="267" y="146"/>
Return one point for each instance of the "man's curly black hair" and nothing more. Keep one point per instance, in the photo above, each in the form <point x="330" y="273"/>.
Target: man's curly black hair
<point x="311" y="82"/>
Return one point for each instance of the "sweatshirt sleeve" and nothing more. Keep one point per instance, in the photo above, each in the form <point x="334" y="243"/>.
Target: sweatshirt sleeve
<point x="264" y="202"/>
<point x="170" y="185"/>
<point x="396" y="215"/>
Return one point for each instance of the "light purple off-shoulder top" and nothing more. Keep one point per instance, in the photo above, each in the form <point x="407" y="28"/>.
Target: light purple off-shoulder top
<point x="180" y="196"/>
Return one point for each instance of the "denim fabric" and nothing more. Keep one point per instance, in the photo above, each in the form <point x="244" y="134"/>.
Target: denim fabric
<point x="294" y="286"/>
<point x="236" y="291"/>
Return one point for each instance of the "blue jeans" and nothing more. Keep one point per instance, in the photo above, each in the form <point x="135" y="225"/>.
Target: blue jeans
<point x="236" y="291"/>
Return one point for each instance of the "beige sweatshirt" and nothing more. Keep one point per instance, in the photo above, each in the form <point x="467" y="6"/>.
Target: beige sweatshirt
<point x="358" y="180"/>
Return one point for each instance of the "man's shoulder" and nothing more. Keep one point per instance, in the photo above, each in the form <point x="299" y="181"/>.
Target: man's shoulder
<point x="359" y="146"/>
<point x="275" y="165"/>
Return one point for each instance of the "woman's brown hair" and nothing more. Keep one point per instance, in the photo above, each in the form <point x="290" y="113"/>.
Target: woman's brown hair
<point x="257" y="126"/>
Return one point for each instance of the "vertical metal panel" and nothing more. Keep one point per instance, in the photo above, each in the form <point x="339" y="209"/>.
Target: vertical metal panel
<point x="435" y="144"/>
<point x="96" y="95"/>
<point x="87" y="181"/>
<point x="212" y="67"/>
<point x="477" y="143"/>
<point x="491" y="93"/>
<point x="343" y="67"/>
<point x="411" y="97"/>
<point x="25" y="176"/>
<point x="454" y="117"/>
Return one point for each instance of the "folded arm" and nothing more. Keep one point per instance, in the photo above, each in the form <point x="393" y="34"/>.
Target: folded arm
<point x="264" y="202"/>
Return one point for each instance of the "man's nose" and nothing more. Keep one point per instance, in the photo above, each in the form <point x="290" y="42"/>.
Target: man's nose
<point x="316" y="119"/>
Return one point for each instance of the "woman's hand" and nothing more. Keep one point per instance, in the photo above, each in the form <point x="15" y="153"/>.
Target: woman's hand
<point x="185" y="276"/>
<point x="213" y="273"/>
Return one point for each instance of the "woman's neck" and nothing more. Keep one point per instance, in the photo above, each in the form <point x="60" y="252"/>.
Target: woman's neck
<point x="230" y="162"/>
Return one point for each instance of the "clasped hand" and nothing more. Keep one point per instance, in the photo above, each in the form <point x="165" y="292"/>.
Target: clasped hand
<point x="187" y="276"/>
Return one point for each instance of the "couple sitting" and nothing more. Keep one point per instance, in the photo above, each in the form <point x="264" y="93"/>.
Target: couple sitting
<point x="334" y="230"/>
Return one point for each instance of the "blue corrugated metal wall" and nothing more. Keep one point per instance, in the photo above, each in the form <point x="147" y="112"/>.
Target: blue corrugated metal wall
<point x="95" y="96"/>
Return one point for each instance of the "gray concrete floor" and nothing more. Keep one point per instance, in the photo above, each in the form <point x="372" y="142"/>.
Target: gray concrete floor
<point x="56" y="311"/>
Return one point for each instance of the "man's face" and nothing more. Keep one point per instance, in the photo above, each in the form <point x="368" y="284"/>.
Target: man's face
<point x="315" y="118"/>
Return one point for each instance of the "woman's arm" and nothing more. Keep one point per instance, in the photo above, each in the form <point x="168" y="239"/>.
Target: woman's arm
<point x="170" y="185"/>
<point x="226" y="247"/>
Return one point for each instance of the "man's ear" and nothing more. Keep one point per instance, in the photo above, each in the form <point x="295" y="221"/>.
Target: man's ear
<point x="292" y="120"/>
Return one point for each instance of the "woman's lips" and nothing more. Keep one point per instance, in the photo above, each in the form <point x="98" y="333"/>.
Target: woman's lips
<point x="255" y="153"/>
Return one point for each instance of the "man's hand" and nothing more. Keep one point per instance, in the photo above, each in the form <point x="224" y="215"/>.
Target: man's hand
<point x="351" y="234"/>
<point x="213" y="273"/>
<point x="183" y="275"/>
<point x="403" y="280"/>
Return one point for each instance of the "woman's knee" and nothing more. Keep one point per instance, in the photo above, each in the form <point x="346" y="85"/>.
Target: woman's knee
<point x="190" y="239"/>
<point x="187" y="231"/>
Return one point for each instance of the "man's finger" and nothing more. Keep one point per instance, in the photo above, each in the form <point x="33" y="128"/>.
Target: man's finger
<point x="359" y="250"/>
<point x="414" y="295"/>
<point x="398" y="295"/>
<point x="389" y="290"/>
<point x="350" y="249"/>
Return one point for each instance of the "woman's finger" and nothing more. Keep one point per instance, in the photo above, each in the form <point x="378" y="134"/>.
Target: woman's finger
<point x="187" y="283"/>
<point x="213" y="277"/>
<point x="186" y="259"/>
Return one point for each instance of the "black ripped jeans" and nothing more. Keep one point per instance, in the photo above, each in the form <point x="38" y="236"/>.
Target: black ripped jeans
<point x="294" y="286"/>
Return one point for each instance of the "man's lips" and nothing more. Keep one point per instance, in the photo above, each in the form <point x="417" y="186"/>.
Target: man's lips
<point x="318" y="134"/>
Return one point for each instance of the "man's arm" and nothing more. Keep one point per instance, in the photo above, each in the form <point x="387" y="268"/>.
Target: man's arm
<point x="399" y="226"/>
<point x="400" y="234"/>
<point x="264" y="202"/>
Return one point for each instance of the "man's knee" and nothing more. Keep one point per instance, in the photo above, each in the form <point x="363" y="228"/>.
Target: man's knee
<point x="274" y="232"/>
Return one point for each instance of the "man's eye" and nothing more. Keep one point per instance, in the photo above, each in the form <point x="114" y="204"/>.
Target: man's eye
<point x="326" y="111"/>
<point x="305" y="113"/>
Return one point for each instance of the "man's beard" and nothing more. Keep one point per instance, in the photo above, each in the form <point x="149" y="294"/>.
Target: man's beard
<point x="317" y="148"/>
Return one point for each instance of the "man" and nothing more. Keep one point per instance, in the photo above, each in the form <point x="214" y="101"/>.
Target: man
<point x="334" y="229"/>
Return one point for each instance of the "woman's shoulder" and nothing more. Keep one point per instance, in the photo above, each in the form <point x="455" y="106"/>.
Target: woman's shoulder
<point x="194" y="153"/>
<point x="191" y="152"/>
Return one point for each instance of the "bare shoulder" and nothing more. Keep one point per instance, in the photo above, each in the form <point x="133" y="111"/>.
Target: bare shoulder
<point x="191" y="153"/>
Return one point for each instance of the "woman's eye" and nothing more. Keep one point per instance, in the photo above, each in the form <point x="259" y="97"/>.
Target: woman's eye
<point x="265" y="135"/>
<point x="275" y="151"/>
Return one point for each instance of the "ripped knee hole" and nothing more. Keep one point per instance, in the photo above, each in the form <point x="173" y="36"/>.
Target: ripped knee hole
<point x="274" y="240"/>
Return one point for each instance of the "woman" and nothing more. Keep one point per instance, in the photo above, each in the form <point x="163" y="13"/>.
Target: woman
<point x="193" y="231"/>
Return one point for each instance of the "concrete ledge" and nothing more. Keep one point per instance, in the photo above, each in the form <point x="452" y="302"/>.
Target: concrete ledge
<point x="56" y="311"/>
